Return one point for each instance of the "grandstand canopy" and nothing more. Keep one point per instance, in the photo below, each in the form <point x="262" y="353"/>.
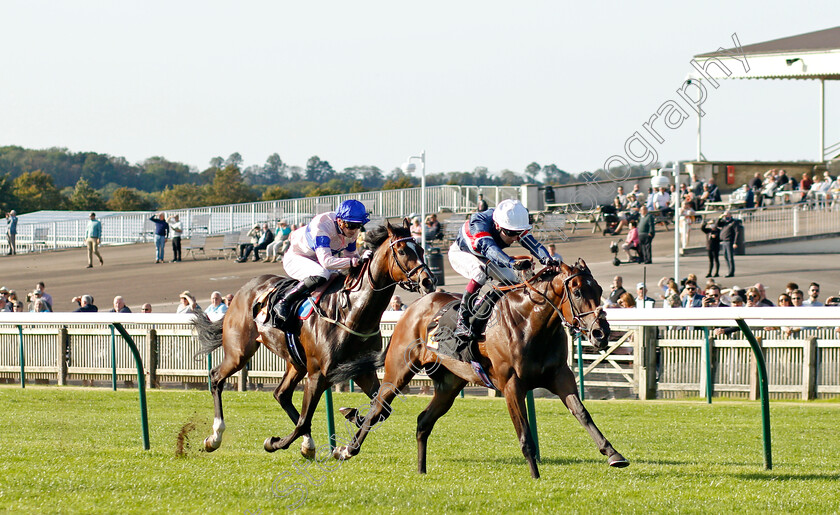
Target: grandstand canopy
<point x="812" y="56"/>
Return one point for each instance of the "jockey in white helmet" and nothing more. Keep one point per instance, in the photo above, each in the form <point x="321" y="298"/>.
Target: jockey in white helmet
<point x="477" y="255"/>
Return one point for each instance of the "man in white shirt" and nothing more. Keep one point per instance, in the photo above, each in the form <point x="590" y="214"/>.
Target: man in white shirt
<point x="813" y="294"/>
<point x="217" y="308"/>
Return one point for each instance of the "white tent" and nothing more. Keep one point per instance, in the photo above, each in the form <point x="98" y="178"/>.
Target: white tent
<point x="811" y="56"/>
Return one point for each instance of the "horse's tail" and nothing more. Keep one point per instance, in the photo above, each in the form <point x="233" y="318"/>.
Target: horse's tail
<point x="365" y="363"/>
<point x="209" y="334"/>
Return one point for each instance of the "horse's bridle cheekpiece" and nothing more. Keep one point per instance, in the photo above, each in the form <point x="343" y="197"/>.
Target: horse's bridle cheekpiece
<point x="411" y="284"/>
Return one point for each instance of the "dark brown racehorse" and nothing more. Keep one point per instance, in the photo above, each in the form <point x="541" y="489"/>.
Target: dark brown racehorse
<point x="346" y="346"/>
<point x="525" y="348"/>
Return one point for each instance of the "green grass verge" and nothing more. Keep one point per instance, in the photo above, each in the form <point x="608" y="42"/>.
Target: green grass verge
<point x="79" y="450"/>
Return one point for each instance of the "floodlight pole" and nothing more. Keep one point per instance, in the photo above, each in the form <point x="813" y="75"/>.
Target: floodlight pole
<point x="422" y="158"/>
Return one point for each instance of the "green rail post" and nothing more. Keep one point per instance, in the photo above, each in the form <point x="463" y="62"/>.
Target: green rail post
<point x="330" y="419"/>
<point x="580" y="368"/>
<point x="352" y="386"/>
<point x="141" y="382"/>
<point x="21" y="358"/>
<point x="709" y="378"/>
<point x="113" y="360"/>
<point x="461" y="393"/>
<point x="763" y="389"/>
<point x="210" y="372"/>
<point x="532" y="421"/>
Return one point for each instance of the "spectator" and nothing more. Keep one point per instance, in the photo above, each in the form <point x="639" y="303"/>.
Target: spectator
<point x="46" y="296"/>
<point x="617" y="289"/>
<point x="712" y="245"/>
<point x="4" y="292"/>
<point x="713" y="298"/>
<point x="36" y="297"/>
<point x="161" y="233"/>
<point x="85" y="303"/>
<point x="17" y="306"/>
<point x="552" y="251"/>
<point x="217" y="308"/>
<point x="481" y="205"/>
<point x="11" y="230"/>
<point x="756" y="183"/>
<point x="662" y="201"/>
<point x="396" y="304"/>
<point x="119" y="306"/>
<point x="638" y="193"/>
<point x="93" y="237"/>
<point x="5" y="307"/>
<point x="228" y="299"/>
<point x="39" y="306"/>
<point x="813" y="294"/>
<point x="266" y="238"/>
<point x="690" y="297"/>
<point x="714" y="192"/>
<point x="647" y="231"/>
<point x="631" y="242"/>
<point x="177" y="231"/>
<point x="642" y="300"/>
<point x="626" y="301"/>
<point x="188" y="303"/>
<point x="432" y="228"/>
<point x="416" y="229"/>
<point x="805" y="184"/>
<point x="730" y="234"/>
<point x="671" y="298"/>
<point x="686" y="219"/>
<point x="762" y="296"/>
<point x="246" y="248"/>
<point x="278" y="247"/>
<point x="622" y="198"/>
<point x="789" y="287"/>
<point x="146" y="308"/>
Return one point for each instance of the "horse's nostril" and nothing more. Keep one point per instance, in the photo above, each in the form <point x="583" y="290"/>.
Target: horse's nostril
<point x="597" y="334"/>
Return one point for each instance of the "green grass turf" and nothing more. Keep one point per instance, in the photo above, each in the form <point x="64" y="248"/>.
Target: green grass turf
<point x="79" y="450"/>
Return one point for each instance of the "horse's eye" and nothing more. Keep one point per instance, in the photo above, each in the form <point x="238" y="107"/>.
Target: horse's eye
<point x="401" y="252"/>
<point x="577" y="293"/>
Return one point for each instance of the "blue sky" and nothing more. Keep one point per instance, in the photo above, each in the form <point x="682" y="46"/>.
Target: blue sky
<point x="492" y="84"/>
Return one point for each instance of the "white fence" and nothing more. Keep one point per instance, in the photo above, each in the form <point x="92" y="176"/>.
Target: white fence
<point x="643" y="361"/>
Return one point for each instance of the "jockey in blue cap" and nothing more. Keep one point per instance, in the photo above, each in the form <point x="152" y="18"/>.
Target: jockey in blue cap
<point x="478" y="256"/>
<point x="318" y="249"/>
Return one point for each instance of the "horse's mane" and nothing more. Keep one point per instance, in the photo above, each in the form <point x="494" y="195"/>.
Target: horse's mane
<point x="376" y="236"/>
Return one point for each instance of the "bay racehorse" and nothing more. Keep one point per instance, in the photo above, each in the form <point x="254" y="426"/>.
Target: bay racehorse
<point x="342" y="343"/>
<point x="525" y="348"/>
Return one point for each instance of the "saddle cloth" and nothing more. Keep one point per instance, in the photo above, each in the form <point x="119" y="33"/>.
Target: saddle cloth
<point x="440" y="338"/>
<point x="263" y="306"/>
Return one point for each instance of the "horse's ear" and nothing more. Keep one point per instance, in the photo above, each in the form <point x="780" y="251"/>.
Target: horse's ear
<point x="406" y="224"/>
<point x="566" y="269"/>
<point x="582" y="264"/>
<point x="389" y="227"/>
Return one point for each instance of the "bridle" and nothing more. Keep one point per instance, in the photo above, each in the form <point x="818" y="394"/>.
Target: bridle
<point x="579" y="326"/>
<point x="410" y="284"/>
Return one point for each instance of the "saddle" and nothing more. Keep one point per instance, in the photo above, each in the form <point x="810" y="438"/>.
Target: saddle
<point x="440" y="338"/>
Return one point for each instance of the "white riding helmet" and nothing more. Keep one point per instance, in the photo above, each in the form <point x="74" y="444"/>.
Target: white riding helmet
<point x="511" y="215"/>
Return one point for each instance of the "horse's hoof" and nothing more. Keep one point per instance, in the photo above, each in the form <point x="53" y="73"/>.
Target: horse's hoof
<point x="347" y="412"/>
<point x="307" y="448"/>
<point x="267" y="445"/>
<point x="341" y="453"/>
<point x="618" y="461"/>
<point x="208" y="444"/>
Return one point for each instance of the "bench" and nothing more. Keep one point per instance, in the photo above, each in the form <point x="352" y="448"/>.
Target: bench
<point x="39" y="238"/>
<point x="230" y="244"/>
<point x="550" y="227"/>
<point x="200" y="223"/>
<point x="197" y="243"/>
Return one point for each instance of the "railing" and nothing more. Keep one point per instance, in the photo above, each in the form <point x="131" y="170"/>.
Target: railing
<point x="807" y="366"/>
<point x="130" y="227"/>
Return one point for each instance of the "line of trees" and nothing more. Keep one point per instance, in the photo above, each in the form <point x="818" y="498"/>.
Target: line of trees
<point x="57" y="179"/>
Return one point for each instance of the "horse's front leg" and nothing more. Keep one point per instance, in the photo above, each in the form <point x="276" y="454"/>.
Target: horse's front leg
<point x="515" y="397"/>
<point x="564" y="386"/>
<point x="283" y="393"/>
<point x="315" y="387"/>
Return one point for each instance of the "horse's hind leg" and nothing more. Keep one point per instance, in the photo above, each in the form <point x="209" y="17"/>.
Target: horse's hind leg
<point x="232" y="363"/>
<point x="565" y="387"/>
<point x="283" y="394"/>
<point x="515" y="398"/>
<point x="315" y="387"/>
<point x="447" y="387"/>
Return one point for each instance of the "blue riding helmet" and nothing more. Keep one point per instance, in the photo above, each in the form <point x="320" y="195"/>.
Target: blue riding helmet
<point x="352" y="211"/>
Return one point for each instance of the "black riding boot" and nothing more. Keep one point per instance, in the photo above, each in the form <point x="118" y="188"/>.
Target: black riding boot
<point x="464" y="333"/>
<point x="283" y="308"/>
<point x="484" y="311"/>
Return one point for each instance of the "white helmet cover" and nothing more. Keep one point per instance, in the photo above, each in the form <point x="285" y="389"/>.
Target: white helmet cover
<point x="511" y="215"/>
